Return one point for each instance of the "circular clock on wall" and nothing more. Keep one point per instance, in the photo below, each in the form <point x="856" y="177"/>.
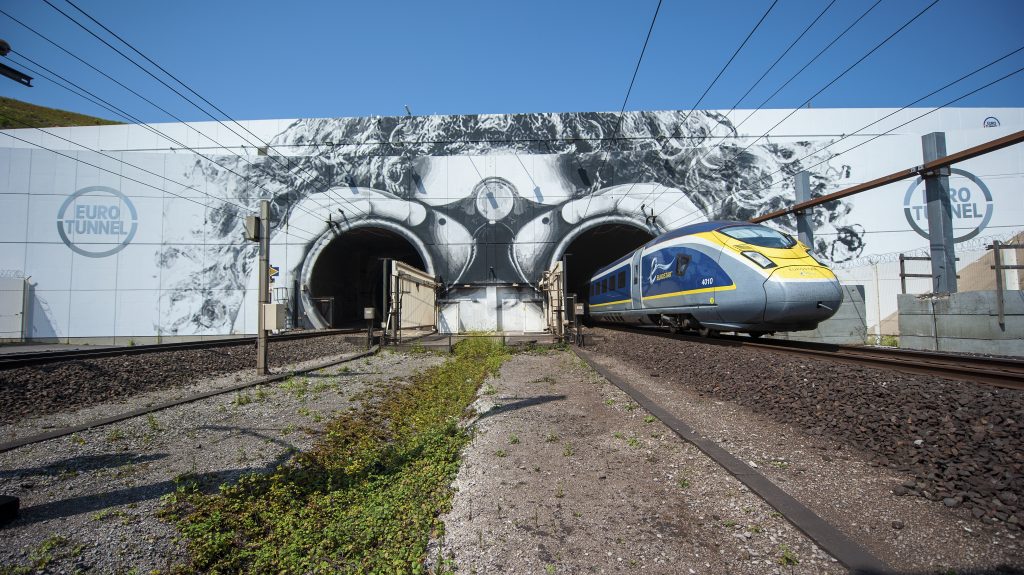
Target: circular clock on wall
<point x="495" y="198"/>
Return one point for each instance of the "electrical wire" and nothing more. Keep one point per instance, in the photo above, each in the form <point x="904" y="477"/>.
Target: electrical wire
<point x="117" y="111"/>
<point x="185" y="186"/>
<point x="873" y="138"/>
<point x="88" y="95"/>
<point x="889" y="115"/>
<point x="731" y="58"/>
<point x="187" y="87"/>
<point x="834" y="80"/>
<point x="125" y="56"/>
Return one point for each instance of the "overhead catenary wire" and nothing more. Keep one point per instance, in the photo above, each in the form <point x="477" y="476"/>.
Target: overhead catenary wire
<point x="731" y="58"/>
<point x="632" y="81"/>
<point x="189" y="100"/>
<point x="88" y="95"/>
<point x="763" y="76"/>
<point x="185" y="186"/>
<point x="690" y="217"/>
<point x="132" y="118"/>
<point x="148" y="72"/>
<point x="874" y="49"/>
<point x="890" y="114"/>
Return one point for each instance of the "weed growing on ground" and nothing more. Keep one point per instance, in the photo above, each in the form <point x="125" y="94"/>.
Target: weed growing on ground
<point x="650" y="419"/>
<point x="567" y="451"/>
<point x="549" y="569"/>
<point x="153" y="424"/>
<point x="366" y="498"/>
<point x="77" y="439"/>
<point x="261" y="394"/>
<point x="551" y="438"/>
<point x="618" y="435"/>
<point x="631" y="406"/>
<point x="490" y="389"/>
<point x="779" y="464"/>
<point x="501" y="453"/>
<point x="684" y="483"/>
<point x="609" y="402"/>
<point x="53" y="548"/>
<point x="633" y="441"/>
<point x="242" y="399"/>
<point x="787" y="558"/>
<point x="115" y="434"/>
<point x="297" y="386"/>
<point x="513" y="439"/>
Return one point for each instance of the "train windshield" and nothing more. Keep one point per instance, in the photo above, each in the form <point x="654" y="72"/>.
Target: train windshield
<point x="759" y="236"/>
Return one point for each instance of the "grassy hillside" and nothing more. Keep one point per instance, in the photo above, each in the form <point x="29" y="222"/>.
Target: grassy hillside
<point x="40" y="117"/>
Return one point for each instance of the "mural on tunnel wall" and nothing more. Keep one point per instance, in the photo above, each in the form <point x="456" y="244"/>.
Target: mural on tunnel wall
<point x="489" y="202"/>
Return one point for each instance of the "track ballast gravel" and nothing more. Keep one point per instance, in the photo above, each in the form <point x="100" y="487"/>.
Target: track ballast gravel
<point x="963" y="442"/>
<point x="64" y="385"/>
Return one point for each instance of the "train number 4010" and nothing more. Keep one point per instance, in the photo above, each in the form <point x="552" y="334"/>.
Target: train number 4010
<point x="707" y="281"/>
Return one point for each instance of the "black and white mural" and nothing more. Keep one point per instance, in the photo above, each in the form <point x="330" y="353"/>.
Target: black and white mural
<point x="487" y="202"/>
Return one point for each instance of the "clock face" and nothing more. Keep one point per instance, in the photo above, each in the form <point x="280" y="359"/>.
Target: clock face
<point x="495" y="198"/>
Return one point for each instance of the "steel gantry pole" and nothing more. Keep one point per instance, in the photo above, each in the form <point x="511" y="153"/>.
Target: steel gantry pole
<point x="940" y="215"/>
<point x="264" y="299"/>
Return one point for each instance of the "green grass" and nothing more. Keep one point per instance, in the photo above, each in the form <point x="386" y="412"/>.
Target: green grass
<point x="366" y="498"/>
<point x="42" y="117"/>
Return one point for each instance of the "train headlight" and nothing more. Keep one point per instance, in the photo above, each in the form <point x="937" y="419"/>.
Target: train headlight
<point x="759" y="259"/>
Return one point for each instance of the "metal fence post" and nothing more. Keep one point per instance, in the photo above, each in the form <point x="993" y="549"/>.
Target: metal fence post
<point x="996" y="249"/>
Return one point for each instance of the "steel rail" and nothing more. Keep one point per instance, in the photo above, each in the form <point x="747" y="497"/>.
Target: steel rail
<point x="981" y="149"/>
<point x="858" y="559"/>
<point x="262" y="380"/>
<point x="995" y="371"/>
<point x="15" y="359"/>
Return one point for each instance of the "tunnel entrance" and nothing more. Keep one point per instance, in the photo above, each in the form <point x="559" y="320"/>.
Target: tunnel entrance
<point x="346" y="276"/>
<point x="598" y="247"/>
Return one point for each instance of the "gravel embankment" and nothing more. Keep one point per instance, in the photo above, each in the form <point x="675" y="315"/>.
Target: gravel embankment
<point x="964" y="443"/>
<point x="60" y="386"/>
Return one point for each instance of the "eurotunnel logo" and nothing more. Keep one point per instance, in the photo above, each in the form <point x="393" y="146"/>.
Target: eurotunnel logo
<point x="970" y="202"/>
<point x="93" y="219"/>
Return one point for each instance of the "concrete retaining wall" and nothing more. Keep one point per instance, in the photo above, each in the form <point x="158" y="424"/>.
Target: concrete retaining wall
<point x="847" y="326"/>
<point x="962" y="322"/>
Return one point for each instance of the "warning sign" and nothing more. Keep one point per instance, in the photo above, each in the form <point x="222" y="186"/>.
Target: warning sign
<point x="274" y="270"/>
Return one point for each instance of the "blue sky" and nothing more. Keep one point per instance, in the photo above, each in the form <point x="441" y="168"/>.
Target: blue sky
<point x="269" y="59"/>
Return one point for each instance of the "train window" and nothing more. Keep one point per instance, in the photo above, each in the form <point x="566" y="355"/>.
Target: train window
<point x="622" y="279"/>
<point x="636" y="274"/>
<point x="759" y="236"/>
<point x="604" y="285"/>
<point x="682" y="262"/>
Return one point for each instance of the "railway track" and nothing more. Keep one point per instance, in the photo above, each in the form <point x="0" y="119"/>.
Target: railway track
<point x="997" y="371"/>
<point x="13" y="360"/>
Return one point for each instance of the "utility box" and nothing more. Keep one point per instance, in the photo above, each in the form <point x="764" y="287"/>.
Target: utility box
<point x="369" y="313"/>
<point x="274" y="316"/>
<point x="252" y="228"/>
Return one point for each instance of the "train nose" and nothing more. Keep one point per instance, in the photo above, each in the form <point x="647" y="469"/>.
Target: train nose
<point x="801" y="295"/>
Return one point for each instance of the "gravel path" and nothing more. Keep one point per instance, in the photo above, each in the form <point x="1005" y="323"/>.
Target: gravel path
<point x="566" y="475"/>
<point x="89" y="501"/>
<point x="60" y="386"/>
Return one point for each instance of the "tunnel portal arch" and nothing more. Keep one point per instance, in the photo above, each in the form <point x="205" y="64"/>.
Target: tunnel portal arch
<point x="598" y="243"/>
<point x="346" y="265"/>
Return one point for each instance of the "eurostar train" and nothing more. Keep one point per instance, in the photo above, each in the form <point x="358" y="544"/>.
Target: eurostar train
<point x="717" y="276"/>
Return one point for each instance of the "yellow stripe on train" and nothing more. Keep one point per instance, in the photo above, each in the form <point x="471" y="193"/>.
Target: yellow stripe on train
<point x="691" y="291"/>
<point x="611" y="303"/>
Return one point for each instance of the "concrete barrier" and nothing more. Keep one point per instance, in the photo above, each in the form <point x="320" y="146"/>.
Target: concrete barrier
<point x="848" y="326"/>
<point x="962" y="322"/>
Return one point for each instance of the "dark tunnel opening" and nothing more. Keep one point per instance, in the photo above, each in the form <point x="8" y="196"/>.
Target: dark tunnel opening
<point x="347" y="275"/>
<point x="598" y="247"/>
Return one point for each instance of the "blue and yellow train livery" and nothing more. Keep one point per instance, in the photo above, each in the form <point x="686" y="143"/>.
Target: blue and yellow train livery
<point x="717" y="276"/>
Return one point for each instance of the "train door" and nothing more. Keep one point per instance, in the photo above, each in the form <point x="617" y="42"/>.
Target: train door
<point x="635" y="283"/>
